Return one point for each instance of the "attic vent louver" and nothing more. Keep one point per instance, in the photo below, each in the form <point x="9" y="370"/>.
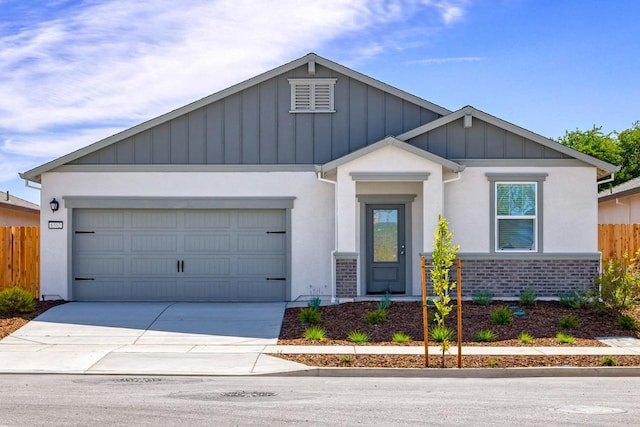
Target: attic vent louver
<point x="312" y="95"/>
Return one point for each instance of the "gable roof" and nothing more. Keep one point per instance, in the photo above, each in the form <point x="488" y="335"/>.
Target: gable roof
<point x="604" y="168"/>
<point x="395" y="142"/>
<point x="625" y="189"/>
<point x="311" y="59"/>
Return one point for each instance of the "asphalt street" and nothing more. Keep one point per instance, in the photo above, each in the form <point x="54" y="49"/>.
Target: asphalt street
<point x="83" y="400"/>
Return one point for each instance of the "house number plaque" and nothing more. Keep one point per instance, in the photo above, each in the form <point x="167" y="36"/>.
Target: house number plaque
<point x="55" y="225"/>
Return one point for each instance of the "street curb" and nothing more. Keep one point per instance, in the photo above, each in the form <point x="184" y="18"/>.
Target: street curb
<point x="557" y="372"/>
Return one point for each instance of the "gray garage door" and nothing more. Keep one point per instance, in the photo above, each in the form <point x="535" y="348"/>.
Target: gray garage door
<point x="179" y="255"/>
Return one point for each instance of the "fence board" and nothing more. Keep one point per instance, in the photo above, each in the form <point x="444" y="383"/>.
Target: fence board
<point x="20" y="258"/>
<point x="616" y="239"/>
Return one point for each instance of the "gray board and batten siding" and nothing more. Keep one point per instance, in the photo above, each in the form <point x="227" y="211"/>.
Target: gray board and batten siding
<point x="481" y="141"/>
<point x="255" y="126"/>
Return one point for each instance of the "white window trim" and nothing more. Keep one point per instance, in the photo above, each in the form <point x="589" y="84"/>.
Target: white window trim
<point x="312" y="83"/>
<point x="499" y="217"/>
<point x="516" y="177"/>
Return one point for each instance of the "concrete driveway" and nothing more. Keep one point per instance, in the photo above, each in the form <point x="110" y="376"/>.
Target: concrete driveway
<point x="149" y="338"/>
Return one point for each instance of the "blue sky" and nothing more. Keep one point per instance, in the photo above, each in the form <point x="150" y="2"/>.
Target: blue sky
<point x="74" y="72"/>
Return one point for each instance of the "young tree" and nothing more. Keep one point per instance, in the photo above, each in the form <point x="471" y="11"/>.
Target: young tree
<point x="444" y="252"/>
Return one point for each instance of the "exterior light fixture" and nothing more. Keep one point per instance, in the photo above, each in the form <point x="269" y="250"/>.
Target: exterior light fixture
<point x="54" y="205"/>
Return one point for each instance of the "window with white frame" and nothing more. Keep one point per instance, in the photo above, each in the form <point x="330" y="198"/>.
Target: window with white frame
<point x="516" y="216"/>
<point x="516" y="210"/>
<point x="312" y="95"/>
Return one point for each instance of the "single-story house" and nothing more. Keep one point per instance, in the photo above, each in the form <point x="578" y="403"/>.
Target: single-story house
<point x="314" y="179"/>
<point x="620" y="204"/>
<point x="17" y="212"/>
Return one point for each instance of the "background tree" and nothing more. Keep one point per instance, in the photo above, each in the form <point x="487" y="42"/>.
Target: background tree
<point x="617" y="148"/>
<point x="629" y="142"/>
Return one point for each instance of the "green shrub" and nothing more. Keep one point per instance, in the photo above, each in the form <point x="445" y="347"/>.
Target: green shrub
<point x="314" y="303"/>
<point x="385" y="303"/>
<point x="16" y="300"/>
<point x="309" y="315"/>
<point x="609" y="361"/>
<point x="485" y="335"/>
<point x="564" y="338"/>
<point x="347" y="359"/>
<point x="620" y="282"/>
<point x="399" y="337"/>
<point x="358" y="336"/>
<point x="493" y="363"/>
<point x="376" y="316"/>
<point x="575" y="299"/>
<point x="501" y="316"/>
<point x="528" y="296"/>
<point x="482" y="297"/>
<point x="526" y="338"/>
<point x="569" y="322"/>
<point x="626" y="322"/>
<point x="441" y="333"/>
<point x="315" y="333"/>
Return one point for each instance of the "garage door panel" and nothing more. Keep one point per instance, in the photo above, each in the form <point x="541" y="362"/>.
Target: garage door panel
<point x="264" y="266"/>
<point x="207" y="219"/>
<point x="154" y="266"/>
<point x="210" y="289"/>
<point x="100" y="266"/>
<point x="154" y="243"/>
<point x="262" y="242"/>
<point x="261" y="290"/>
<point x="159" y="289"/>
<point x="99" y="289"/>
<point x="147" y="219"/>
<point x="99" y="219"/>
<point x="191" y="255"/>
<point x="261" y="219"/>
<point x="207" y="243"/>
<point x="88" y="243"/>
<point x="219" y="266"/>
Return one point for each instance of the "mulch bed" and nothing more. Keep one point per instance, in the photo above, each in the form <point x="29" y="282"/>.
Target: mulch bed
<point x="540" y="320"/>
<point x="413" y="361"/>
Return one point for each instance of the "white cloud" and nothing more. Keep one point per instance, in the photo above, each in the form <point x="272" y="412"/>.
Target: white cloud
<point x="103" y="66"/>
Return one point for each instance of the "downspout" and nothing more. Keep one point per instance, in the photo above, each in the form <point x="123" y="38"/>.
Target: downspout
<point x="335" y="237"/>
<point x="604" y="181"/>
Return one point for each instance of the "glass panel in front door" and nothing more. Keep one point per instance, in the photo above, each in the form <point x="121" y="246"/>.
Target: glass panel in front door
<point x="385" y="235"/>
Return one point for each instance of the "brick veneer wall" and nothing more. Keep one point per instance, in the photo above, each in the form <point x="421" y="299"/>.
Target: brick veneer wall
<point x="506" y="278"/>
<point x="346" y="277"/>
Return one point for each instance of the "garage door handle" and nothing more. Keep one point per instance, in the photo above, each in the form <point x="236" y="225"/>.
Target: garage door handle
<point x="182" y="265"/>
<point x="178" y="266"/>
<point x="276" y="232"/>
<point x="84" y="278"/>
<point x="276" y="278"/>
<point x="85" y="232"/>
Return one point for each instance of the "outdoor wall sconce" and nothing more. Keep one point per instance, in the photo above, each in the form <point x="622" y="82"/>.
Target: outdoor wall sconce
<point x="54" y="205"/>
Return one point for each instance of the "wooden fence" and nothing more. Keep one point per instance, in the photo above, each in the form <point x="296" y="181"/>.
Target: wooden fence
<point x="616" y="239"/>
<point x="20" y="258"/>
